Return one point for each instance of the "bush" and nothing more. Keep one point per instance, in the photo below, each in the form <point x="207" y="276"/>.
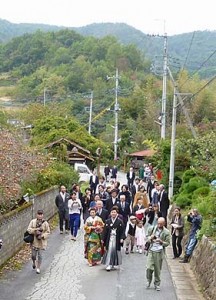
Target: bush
<point x="188" y="175"/>
<point x="202" y="191"/>
<point x="194" y="184"/>
<point x="183" y="200"/>
<point x="58" y="173"/>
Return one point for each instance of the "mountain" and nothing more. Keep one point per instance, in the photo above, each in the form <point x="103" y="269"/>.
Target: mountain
<point x="191" y="50"/>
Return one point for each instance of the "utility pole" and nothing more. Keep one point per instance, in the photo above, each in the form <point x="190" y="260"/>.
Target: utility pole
<point x="172" y="151"/>
<point x="116" y="110"/>
<point x="181" y="101"/>
<point x="90" y="112"/>
<point x="177" y="97"/>
<point x="164" y="93"/>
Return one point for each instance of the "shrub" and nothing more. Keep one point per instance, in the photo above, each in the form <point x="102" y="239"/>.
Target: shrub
<point x="194" y="184"/>
<point x="58" y="173"/>
<point x="188" y="175"/>
<point x="202" y="191"/>
<point x="183" y="200"/>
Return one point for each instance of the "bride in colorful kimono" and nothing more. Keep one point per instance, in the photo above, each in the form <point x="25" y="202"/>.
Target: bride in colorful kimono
<point x="93" y="228"/>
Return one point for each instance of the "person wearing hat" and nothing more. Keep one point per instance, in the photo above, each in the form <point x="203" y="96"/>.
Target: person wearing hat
<point x="130" y="234"/>
<point x="41" y="230"/>
<point x="113" y="200"/>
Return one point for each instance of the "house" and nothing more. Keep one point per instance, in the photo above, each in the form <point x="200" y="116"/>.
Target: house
<point x="67" y="150"/>
<point x="140" y="157"/>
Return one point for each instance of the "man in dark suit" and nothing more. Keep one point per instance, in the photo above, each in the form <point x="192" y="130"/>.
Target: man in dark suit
<point x="61" y="202"/>
<point x="114" y="228"/>
<point x="164" y="202"/>
<point x="150" y="186"/>
<point x="101" y="212"/>
<point x="113" y="200"/>
<point x="130" y="178"/>
<point x="124" y="209"/>
<point x="93" y="182"/>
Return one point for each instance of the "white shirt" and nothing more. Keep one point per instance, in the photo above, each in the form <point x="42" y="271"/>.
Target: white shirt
<point x="74" y="206"/>
<point x="63" y="196"/>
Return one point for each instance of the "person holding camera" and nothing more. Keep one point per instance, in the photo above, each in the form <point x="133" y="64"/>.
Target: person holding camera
<point x="159" y="238"/>
<point x="195" y="219"/>
<point x="41" y="230"/>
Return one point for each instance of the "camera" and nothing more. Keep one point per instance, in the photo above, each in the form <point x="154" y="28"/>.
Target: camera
<point x="39" y="234"/>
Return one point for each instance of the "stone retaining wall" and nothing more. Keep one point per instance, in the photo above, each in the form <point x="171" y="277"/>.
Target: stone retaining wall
<point x="203" y="263"/>
<point x="13" y="225"/>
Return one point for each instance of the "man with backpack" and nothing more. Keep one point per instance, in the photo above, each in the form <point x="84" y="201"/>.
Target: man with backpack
<point x="41" y="230"/>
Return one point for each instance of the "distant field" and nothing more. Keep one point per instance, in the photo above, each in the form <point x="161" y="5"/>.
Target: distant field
<point x="6" y="92"/>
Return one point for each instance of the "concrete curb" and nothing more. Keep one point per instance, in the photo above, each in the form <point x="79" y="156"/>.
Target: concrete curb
<point x="183" y="278"/>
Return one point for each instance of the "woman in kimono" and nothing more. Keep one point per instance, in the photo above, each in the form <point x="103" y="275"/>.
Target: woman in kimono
<point x="113" y="238"/>
<point x="93" y="228"/>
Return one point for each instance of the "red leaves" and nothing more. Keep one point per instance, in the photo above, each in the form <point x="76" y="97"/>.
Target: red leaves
<point x="17" y="164"/>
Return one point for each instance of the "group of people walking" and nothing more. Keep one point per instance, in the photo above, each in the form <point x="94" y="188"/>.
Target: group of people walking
<point x="131" y="216"/>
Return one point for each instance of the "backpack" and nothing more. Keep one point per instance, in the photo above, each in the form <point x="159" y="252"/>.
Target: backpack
<point x="28" y="238"/>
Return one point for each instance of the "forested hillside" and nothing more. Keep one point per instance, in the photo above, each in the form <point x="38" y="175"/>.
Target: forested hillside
<point x="65" y="67"/>
<point x="190" y="50"/>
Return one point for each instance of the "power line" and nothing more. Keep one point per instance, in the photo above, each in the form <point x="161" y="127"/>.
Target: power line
<point x="213" y="53"/>
<point x="191" y="42"/>
<point x="202" y="88"/>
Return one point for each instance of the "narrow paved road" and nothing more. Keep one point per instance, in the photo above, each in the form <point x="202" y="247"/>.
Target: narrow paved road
<point x="66" y="275"/>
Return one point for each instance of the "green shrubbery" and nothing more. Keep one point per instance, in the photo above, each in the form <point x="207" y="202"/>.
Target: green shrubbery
<point x="58" y="173"/>
<point x="195" y="192"/>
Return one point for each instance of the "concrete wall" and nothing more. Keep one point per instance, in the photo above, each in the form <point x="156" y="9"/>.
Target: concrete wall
<point x="13" y="225"/>
<point x="203" y="263"/>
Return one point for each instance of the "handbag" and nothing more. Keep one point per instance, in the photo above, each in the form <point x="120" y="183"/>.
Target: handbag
<point x="28" y="238"/>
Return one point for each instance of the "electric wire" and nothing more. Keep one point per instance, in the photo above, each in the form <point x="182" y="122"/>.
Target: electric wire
<point x="191" y="42"/>
<point x="201" y="66"/>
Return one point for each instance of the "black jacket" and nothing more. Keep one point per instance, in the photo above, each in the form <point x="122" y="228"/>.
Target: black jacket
<point x="62" y="205"/>
<point x="109" y="204"/>
<point x="120" y="232"/>
<point x="104" y="214"/>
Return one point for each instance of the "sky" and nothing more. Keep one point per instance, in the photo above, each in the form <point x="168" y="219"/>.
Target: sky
<point x="151" y="17"/>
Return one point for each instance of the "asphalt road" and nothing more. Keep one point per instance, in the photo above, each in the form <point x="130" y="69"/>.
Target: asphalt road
<point x="65" y="275"/>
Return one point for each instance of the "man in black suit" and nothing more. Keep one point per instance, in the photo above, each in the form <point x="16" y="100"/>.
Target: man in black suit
<point x="93" y="182"/>
<point x="101" y="212"/>
<point x="150" y="185"/>
<point x="61" y="202"/>
<point x="130" y="178"/>
<point x="113" y="200"/>
<point x="113" y="229"/>
<point x="124" y="209"/>
<point x="164" y="202"/>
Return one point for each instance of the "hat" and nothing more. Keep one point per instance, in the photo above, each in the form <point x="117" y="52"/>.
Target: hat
<point x="133" y="218"/>
<point x="40" y="212"/>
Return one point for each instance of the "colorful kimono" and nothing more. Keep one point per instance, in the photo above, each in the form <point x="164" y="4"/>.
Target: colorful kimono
<point x="93" y="228"/>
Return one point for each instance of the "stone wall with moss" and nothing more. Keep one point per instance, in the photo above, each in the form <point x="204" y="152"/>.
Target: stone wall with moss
<point x="203" y="263"/>
<point x="14" y="224"/>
